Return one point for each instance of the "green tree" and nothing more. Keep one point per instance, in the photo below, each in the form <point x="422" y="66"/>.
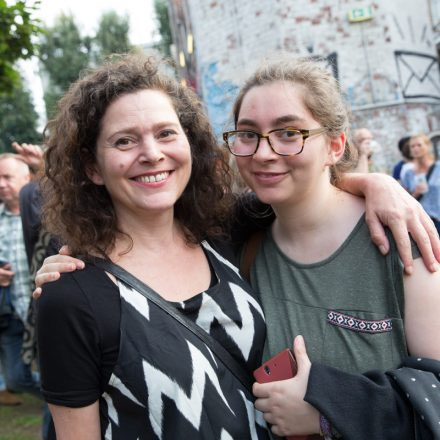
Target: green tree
<point x="17" y="26"/>
<point x="63" y="54"/>
<point x="163" y="19"/>
<point x="112" y="36"/>
<point x="18" y="118"/>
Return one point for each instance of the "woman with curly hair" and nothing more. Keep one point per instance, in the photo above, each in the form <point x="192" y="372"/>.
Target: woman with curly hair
<point x="133" y="175"/>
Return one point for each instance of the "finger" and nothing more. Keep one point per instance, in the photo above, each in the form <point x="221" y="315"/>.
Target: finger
<point x="299" y="349"/>
<point x="46" y="278"/>
<point x="275" y="428"/>
<point x="429" y="247"/>
<point x="377" y="233"/>
<point x="64" y="250"/>
<point x="423" y="239"/>
<point x="262" y="405"/>
<point x="261" y="390"/>
<point x="37" y="293"/>
<point x="399" y="229"/>
<point x="17" y="147"/>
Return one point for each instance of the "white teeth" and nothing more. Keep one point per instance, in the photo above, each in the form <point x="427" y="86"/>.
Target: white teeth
<point x="153" y="178"/>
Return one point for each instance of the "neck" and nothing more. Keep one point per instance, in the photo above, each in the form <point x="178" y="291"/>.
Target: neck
<point x="13" y="207"/>
<point x="313" y="229"/>
<point x="152" y="234"/>
<point x="424" y="161"/>
<point x="305" y="216"/>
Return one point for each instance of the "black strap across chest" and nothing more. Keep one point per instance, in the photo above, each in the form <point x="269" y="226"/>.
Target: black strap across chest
<point x="221" y="353"/>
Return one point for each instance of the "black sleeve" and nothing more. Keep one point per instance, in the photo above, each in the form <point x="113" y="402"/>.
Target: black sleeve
<point x="361" y="407"/>
<point x="78" y="320"/>
<point x="30" y="213"/>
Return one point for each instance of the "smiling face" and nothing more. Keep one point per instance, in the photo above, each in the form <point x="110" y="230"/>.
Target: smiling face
<point x="284" y="179"/>
<point x="419" y="148"/>
<point x="143" y="156"/>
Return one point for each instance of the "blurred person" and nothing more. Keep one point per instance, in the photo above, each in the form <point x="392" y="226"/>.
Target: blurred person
<point x="14" y="276"/>
<point x="38" y="244"/>
<point x="362" y="139"/>
<point x="422" y="180"/>
<point x="403" y="146"/>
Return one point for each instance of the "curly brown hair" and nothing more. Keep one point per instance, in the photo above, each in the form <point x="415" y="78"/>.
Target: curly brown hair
<point x="322" y="97"/>
<point x="82" y="213"/>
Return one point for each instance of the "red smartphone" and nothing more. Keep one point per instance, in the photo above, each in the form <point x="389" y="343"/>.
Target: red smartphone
<point x="281" y="367"/>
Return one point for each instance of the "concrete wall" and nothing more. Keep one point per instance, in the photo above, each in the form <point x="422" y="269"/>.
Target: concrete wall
<point x="387" y="66"/>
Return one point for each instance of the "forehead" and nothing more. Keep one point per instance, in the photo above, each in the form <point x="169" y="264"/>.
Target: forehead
<point x="364" y="133"/>
<point x="9" y="166"/>
<point x="145" y="105"/>
<point x="416" y="141"/>
<point x="272" y="101"/>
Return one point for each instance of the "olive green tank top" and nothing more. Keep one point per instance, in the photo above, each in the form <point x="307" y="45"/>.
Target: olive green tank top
<point x="349" y="307"/>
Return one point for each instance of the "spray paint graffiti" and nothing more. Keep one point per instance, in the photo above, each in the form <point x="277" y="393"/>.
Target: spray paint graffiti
<point x="218" y="97"/>
<point x="419" y="74"/>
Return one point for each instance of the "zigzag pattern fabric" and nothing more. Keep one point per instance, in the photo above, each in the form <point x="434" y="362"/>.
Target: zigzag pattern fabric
<point x="167" y="384"/>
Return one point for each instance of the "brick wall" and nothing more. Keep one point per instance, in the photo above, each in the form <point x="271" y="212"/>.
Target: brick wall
<point x="386" y="66"/>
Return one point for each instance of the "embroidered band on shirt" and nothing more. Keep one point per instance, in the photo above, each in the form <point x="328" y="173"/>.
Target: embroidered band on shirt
<point x="359" y="325"/>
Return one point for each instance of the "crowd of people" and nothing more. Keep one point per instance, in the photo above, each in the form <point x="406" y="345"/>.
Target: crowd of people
<point x="149" y="326"/>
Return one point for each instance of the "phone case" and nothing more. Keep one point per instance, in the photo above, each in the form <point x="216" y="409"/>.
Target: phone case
<point x="281" y="367"/>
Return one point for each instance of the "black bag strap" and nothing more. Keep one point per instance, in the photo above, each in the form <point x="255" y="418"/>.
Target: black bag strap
<point x="232" y="364"/>
<point x="428" y="175"/>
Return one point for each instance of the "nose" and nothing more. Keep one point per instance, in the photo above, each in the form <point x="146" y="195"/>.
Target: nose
<point x="151" y="150"/>
<point x="265" y="152"/>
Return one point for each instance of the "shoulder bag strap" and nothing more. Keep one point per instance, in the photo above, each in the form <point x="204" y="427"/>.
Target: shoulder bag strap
<point x="232" y="364"/>
<point x="249" y="253"/>
<point x="428" y="175"/>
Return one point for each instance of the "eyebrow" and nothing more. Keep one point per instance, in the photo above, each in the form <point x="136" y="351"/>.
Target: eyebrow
<point x="286" y="119"/>
<point x="133" y="128"/>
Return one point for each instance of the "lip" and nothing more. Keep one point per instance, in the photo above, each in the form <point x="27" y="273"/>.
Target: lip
<point x="268" y="178"/>
<point x="144" y="179"/>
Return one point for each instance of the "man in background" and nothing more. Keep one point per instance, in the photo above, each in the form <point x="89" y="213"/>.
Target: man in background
<point x="14" y="276"/>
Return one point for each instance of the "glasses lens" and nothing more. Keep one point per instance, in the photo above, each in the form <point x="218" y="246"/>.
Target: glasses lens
<point x="243" y="143"/>
<point x="286" y="141"/>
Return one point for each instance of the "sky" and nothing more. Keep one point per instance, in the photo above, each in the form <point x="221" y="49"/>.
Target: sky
<point x="87" y="14"/>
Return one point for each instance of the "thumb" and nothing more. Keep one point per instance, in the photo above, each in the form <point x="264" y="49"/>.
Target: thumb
<point x="64" y="250"/>
<point x="299" y="349"/>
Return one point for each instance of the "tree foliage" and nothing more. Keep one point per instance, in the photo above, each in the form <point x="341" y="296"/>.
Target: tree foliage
<point x="18" y="118"/>
<point x="112" y="36"/>
<point x="163" y="20"/>
<point x="17" y="27"/>
<point x="63" y="54"/>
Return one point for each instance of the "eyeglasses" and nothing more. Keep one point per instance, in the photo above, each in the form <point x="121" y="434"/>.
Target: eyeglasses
<point x="283" y="141"/>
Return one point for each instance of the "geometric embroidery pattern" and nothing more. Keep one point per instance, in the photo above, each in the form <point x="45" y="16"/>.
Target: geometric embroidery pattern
<point x="359" y="325"/>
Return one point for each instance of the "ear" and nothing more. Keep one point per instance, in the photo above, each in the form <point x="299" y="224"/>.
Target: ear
<point x="93" y="173"/>
<point x="336" y="149"/>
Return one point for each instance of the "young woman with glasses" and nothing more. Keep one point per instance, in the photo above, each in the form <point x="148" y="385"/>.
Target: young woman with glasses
<point x="317" y="271"/>
<point x="287" y="156"/>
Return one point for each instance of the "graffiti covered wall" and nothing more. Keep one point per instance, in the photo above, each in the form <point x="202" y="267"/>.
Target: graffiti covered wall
<point x="387" y="65"/>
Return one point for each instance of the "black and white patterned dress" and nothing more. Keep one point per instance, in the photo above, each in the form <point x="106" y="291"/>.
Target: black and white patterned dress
<point x="166" y="384"/>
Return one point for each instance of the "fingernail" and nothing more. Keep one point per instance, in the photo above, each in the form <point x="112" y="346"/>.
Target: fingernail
<point x="383" y="249"/>
<point x="409" y="270"/>
<point x="434" y="267"/>
<point x="81" y="265"/>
